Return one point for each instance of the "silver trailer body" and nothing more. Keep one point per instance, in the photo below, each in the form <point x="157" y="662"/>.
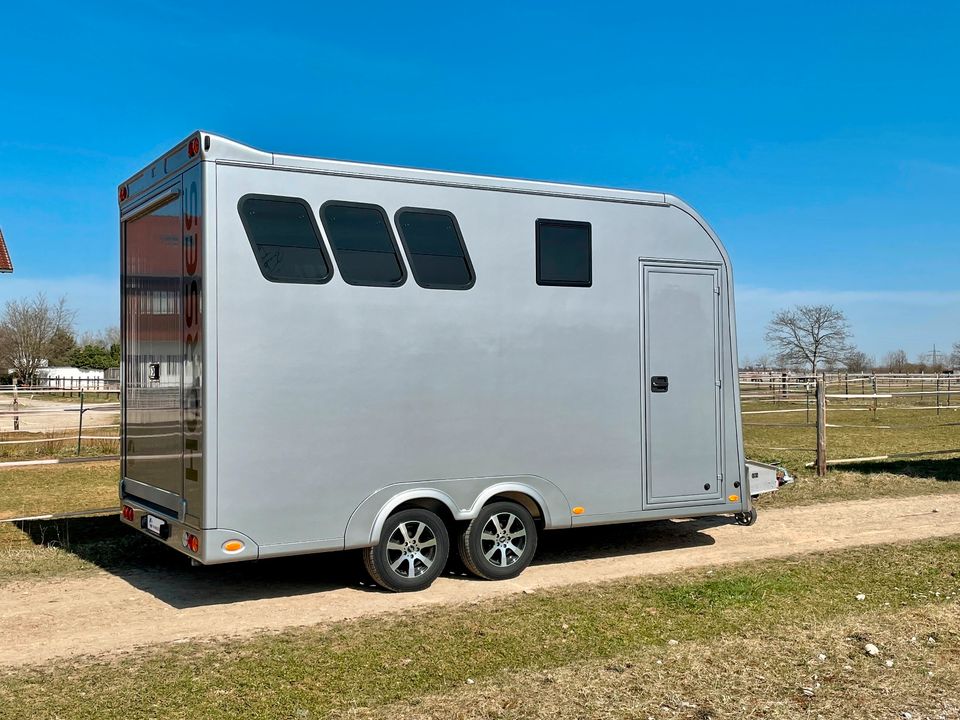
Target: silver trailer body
<point x="265" y="418"/>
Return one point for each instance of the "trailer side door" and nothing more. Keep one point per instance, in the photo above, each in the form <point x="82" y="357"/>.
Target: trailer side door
<point x="680" y="373"/>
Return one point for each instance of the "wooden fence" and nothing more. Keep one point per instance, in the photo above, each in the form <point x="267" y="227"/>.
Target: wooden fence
<point x="777" y="394"/>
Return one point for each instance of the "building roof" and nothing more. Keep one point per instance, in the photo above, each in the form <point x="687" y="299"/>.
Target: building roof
<point x="6" y="264"/>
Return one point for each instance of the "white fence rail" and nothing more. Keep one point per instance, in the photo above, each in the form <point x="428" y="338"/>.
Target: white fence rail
<point x="765" y="396"/>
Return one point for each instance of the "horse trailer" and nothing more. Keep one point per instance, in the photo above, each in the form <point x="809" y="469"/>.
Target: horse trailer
<point x="322" y="355"/>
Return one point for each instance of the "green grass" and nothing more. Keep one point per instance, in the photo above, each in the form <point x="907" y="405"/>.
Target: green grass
<point x="71" y="397"/>
<point x="42" y="489"/>
<point x="790" y="438"/>
<point x="404" y="658"/>
<point x="49" y="548"/>
<point x="57" y="444"/>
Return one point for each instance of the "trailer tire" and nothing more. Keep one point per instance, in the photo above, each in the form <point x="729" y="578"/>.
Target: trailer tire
<point x="747" y="518"/>
<point x="413" y="549"/>
<point x="500" y="542"/>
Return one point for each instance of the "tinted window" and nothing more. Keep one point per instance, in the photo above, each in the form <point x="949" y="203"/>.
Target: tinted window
<point x="285" y="239"/>
<point x="435" y="249"/>
<point x="563" y="253"/>
<point x="362" y="243"/>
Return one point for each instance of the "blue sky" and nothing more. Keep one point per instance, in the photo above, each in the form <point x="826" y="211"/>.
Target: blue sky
<point x="822" y="141"/>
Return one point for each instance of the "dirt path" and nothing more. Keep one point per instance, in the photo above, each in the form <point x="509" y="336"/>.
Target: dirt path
<point x="107" y="613"/>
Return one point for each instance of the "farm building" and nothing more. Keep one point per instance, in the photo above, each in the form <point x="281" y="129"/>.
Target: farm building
<point x="70" y="378"/>
<point x="6" y="264"/>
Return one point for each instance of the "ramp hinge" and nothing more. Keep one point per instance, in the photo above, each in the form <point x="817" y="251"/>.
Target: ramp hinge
<point x="718" y="383"/>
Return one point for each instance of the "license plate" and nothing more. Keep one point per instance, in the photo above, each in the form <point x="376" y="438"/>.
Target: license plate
<point x="154" y="524"/>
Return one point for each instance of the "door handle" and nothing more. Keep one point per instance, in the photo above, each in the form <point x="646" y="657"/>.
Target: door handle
<point x="659" y="383"/>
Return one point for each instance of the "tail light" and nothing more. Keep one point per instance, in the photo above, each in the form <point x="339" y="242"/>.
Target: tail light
<point x="127" y="513"/>
<point x="194" y="147"/>
<point x="123" y="193"/>
<point x="191" y="542"/>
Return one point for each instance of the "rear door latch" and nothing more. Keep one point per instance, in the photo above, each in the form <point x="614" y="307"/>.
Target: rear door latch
<point x="659" y="383"/>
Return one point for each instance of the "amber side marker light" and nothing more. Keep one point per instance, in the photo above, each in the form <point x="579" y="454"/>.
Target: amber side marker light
<point x="578" y="510"/>
<point x="733" y="498"/>
<point x="232" y="546"/>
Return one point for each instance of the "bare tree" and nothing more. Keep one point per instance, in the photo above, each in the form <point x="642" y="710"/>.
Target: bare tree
<point x="896" y="361"/>
<point x="808" y="336"/>
<point x="27" y="329"/>
<point x="102" y="338"/>
<point x="856" y="361"/>
<point x="955" y="356"/>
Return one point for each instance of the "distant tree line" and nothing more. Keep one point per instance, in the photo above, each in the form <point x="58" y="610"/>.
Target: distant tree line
<point x="36" y="333"/>
<point x="814" y="338"/>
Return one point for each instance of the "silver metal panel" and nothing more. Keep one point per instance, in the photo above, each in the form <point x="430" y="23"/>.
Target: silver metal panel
<point x="680" y="337"/>
<point x="733" y="456"/>
<point x="328" y="393"/>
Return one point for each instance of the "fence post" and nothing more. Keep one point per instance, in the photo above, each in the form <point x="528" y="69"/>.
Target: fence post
<point x="80" y="427"/>
<point x="16" y="406"/>
<point x="821" y="427"/>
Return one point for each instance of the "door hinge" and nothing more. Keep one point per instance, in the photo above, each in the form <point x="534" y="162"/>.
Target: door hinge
<point x="717" y="290"/>
<point x="718" y="383"/>
<point x="719" y="477"/>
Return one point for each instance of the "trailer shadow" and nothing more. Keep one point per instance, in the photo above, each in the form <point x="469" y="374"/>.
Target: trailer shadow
<point x="168" y="576"/>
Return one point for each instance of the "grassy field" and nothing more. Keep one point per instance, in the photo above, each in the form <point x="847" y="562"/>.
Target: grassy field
<point x="777" y="640"/>
<point x="59" y="443"/>
<point x="40" y="489"/>
<point x="899" y="478"/>
<point x="41" y="549"/>
<point x="897" y="426"/>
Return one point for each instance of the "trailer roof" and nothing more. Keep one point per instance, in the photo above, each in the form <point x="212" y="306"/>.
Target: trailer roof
<point x="6" y="264"/>
<point x="219" y="149"/>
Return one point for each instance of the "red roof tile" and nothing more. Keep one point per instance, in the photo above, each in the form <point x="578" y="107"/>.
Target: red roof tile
<point x="6" y="264"/>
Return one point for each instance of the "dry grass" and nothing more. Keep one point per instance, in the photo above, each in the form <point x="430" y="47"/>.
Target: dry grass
<point x="44" y="549"/>
<point x="789" y="439"/>
<point x="57" y="444"/>
<point x="40" y="489"/>
<point x="774" y="676"/>
<point x="875" y="480"/>
<point x="748" y="642"/>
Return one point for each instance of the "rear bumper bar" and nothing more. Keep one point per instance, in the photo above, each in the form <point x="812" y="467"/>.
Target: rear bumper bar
<point x="175" y="534"/>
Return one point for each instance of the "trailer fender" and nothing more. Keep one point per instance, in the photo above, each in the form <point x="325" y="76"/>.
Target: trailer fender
<point x="463" y="498"/>
<point x="521" y="488"/>
<point x="360" y="534"/>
